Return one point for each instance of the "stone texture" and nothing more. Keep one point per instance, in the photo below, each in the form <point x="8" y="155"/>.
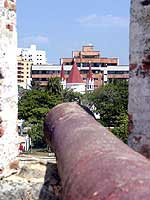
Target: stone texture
<point x="35" y="180"/>
<point x="139" y="81"/>
<point x="8" y="83"/>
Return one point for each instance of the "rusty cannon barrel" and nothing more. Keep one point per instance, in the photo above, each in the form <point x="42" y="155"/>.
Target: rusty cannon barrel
<point x="92" y="163"/>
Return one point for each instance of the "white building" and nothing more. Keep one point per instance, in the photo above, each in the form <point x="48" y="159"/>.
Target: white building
<point x="41" y="73"/>
<point x="38" y="57"/>
<point x="75" y="81"/>
<point x="115" y="72"/>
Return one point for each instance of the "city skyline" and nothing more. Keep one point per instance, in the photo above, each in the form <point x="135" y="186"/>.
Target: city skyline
<point x="61" y="27"/>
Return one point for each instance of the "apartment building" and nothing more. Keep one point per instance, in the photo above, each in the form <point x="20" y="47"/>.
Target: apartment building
<point x="24" y="72"/>
<point x="37" y="57"/>
<point x="88" y="54"/>
<point x="104" y="70"/>
<point x="101" y="75"/>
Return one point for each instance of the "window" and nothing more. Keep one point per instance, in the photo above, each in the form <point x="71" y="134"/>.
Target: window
<point x="78" y="64"/>
<point x="96" y="65"/>
<point x="85" y="64"/>
<point x="118" y="72"/>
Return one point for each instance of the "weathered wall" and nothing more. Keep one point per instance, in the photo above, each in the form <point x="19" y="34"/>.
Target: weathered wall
<point x="8" y="83"/>
<point x="139" y="83"/>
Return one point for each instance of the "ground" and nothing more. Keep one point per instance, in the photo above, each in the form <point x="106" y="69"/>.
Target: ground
<point x="36" y="179"/>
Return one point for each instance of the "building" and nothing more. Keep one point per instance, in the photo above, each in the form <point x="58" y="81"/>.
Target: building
<point x="86" y="55"/>
<point x="37" y="57"/>
<point x="112" y="73"/>
<point x="100" y="75"/>
<point x="24" y="73"/>
<point x="41" y="73"/>
<point x="103" y="70"/>
<point x="75" y="81"/>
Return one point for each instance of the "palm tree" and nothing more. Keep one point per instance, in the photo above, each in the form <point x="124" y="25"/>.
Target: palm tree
<point x="54" y="86"/>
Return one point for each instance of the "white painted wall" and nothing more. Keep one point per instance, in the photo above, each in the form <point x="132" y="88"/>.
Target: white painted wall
<point x="8" y="86"/>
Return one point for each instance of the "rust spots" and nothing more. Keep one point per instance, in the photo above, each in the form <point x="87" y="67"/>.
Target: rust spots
<point x="146" y="63"/>
<point x="145" y="150"/>
<point x="145" y="2"/>
<point x="6" y="4"/>
<point x="1" y="131"/>
<point x="10" y="6"/>
<point x="1" y="76"/>
<point x="146" y="67"/>
<point x="1" y="170"/>
<point x="133" y="67"/>
<point x="130" y="123"/>
<point x="9" y="27"/>
<point x="14" y="164"/>
<point x="137" y="139"/>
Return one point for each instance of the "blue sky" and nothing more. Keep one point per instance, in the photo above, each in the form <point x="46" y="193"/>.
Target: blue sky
<point x="60" y="26"/>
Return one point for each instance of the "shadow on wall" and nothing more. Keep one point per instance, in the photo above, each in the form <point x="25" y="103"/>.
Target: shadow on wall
<point x="51" y="189"/>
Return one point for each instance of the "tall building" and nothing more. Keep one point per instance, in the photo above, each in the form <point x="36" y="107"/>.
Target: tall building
<point x="100" y="75"/>
<point x="38" y="57"/>
<point x="103" y="70"/>
<point x="86" y="55"/>
<point x="24" y="73"/>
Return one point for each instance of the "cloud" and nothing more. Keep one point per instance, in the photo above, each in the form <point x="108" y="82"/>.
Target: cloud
<point x="39" y="39"/>
<point x="104" y="21"/>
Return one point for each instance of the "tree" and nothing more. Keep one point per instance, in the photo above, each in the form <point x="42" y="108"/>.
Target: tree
<point x="121" y="131"/>
<point x="71" y="96"/>
<point x="54" y="86"/>
<point x="33" y="107"/>
<point x="111" y="102"/>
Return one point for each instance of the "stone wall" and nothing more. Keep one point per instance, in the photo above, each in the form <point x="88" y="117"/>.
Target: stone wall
<point x="8" y="83"/>
<point x="139" y="83"/>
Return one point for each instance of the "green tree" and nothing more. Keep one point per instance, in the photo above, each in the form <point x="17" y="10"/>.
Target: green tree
<point x="110" y="101"/>
<point x="121" y="130"/>
<point x="54" y="86"/>
<point x="70" y="96"/>
<point x="33" y="107"/>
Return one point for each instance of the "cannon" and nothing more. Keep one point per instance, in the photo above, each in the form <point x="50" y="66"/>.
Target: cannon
<point x="93" y="164"/>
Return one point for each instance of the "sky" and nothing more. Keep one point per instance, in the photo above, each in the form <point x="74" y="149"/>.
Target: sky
<point x="61" y="26"/>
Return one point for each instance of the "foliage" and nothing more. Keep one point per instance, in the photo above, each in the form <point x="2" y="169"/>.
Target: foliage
<point x="70" y="96"/>
<point x="121" y="131"/>
<point x="54" y="86"/>
<point x="34" y="104"/>
<point x="111" y="102"/>
<point x="21" y="91"/>
<point x="36" y="134"/>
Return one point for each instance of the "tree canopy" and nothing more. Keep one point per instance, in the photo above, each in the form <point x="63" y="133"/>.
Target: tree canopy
<point x="110" y="101"/>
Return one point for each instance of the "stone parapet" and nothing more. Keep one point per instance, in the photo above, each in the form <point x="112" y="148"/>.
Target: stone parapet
<point x="139" y="77"/>
<point x="8" y="84"/>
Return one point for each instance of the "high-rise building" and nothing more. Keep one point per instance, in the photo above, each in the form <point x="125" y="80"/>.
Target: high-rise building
<point x="24" y="73"/>
<point x="86" y="55"/>
<point x="38" y="57"/>
<point x="103" y="70"/>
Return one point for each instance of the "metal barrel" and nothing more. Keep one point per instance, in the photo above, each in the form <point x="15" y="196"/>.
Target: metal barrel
<point x="93" y="164"/>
